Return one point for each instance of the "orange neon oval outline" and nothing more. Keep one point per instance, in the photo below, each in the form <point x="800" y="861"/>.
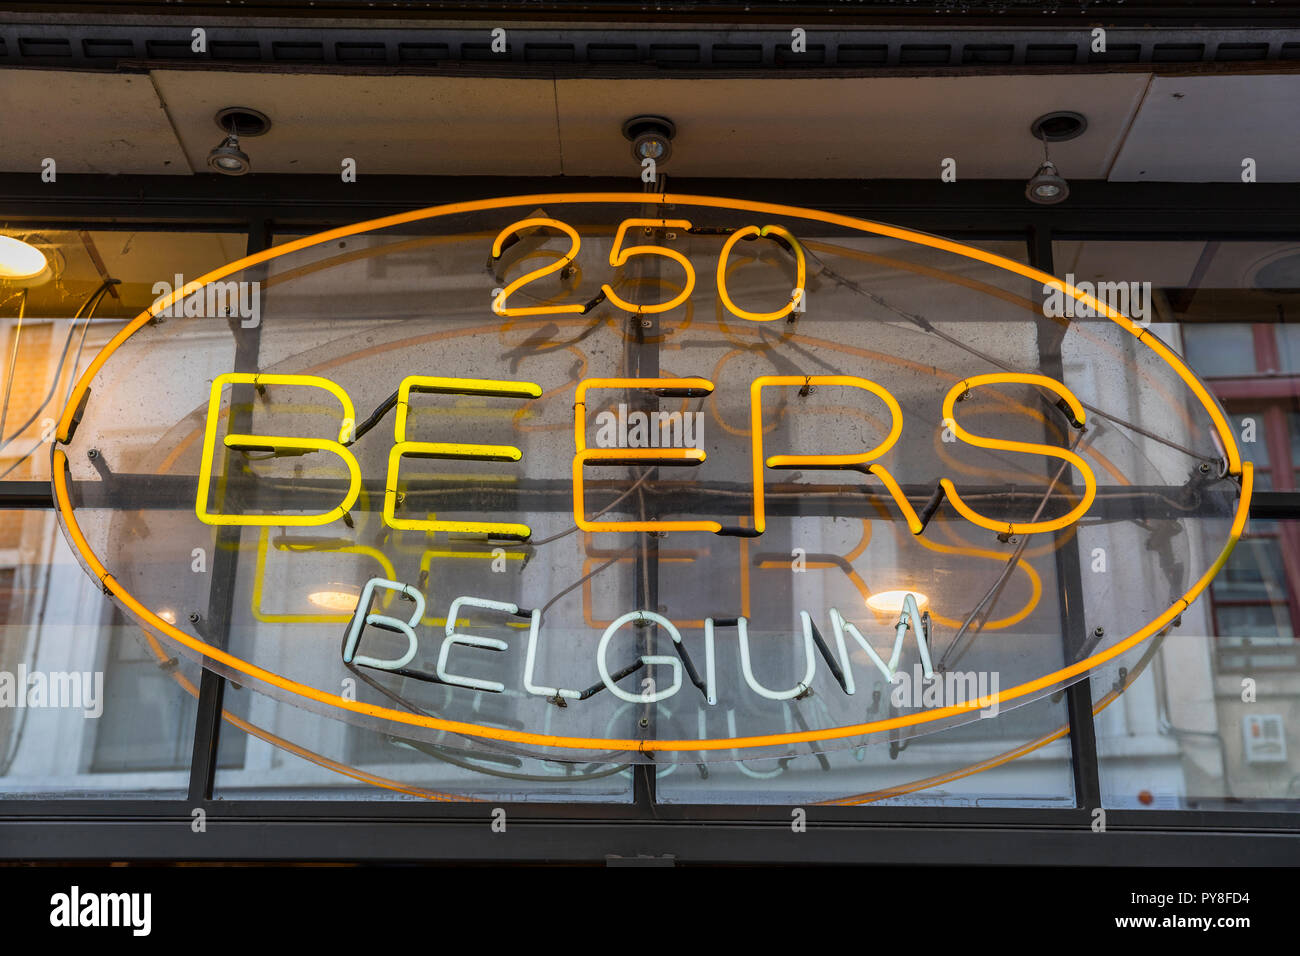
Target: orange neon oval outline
<point x="59" y="478"/>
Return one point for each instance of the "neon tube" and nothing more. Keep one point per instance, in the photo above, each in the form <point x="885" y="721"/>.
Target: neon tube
<point x="809" y="655"/>
<point x="1028" y="448"/>
<point x="618" y="256"/>
<point x="276" y="442"/>
<point x="361" y="617"/>
<point x="499" y="303"/>
<point x="649" y="659"/>
<point x="798" y="297"/>
<point x="404" y="448"/>
<point x="854" y="461"/>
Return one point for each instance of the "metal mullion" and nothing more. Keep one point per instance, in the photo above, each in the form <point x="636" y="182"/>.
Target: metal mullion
<point x="1069" y="573"/>
<point x="225" y="562"/>
<point x="644" y="352"/>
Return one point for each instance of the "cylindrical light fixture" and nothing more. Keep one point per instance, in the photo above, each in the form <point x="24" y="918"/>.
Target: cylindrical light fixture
<point x="651" y="137"/>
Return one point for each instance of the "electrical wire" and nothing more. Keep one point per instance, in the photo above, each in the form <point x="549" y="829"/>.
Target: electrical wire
<point x="89" y="306"/>
<point x="926" y="326"/>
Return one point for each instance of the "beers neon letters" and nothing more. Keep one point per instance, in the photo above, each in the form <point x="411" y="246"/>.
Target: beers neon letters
<point x="861" y="461"/>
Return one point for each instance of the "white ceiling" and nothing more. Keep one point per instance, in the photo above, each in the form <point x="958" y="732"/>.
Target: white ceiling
<point x="87" y="123"/>
<point x="1194" y="129"/>
<point x="871" y="127"/>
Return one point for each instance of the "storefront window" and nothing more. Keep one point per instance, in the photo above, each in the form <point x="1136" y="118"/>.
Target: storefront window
<point x="1173" y="730"/>
<point x="1206" y="721"/>
<point x="105" y="712"/>
<point x="52" y="325"/>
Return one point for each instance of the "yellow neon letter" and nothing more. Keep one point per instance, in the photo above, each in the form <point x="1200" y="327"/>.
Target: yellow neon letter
<point x="801" y="272"/>
<point x="276" y="443"/>
<point x="854" y="462"/>
<point x="618" y="255"/>
<point x="649" y="456"/>
<point x="423" y="449"/>
<point x="499" y="303"/>
<point x="1028" y="448"/>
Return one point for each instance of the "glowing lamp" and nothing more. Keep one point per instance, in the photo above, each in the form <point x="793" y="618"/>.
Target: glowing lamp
<point x="888" y="605"/>
<point x="334" y="600"/>
<point x="21" y="261"/>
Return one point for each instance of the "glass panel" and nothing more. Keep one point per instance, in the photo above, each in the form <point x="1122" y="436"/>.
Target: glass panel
<point x="280" y="752"/>
<point x="1254" y="572"/>
<point x="90" y="706"/>
<point x="1289" y="340"/>
<point x="1020" y="758"/>
<point x="1252" y="435"/>
<point x="363" y="304"/>
<point x="1207" y="715"/>
<point x="1218" y="350"/>
<point x="53" y="324"/>
<point x="1212" y="719"/>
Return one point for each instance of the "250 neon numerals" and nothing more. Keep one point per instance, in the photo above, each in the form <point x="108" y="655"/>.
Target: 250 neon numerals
<point x="619" y="254"/>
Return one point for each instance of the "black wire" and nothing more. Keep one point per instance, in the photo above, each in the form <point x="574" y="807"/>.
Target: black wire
<point x="384" y="408"/>
<point x="92" y="302"/>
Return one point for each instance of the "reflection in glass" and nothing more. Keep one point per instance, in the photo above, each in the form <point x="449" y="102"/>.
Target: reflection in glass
<point x="52" y="326"/>
<point x="102" y="713"/>
<point x="1213" y="720"/>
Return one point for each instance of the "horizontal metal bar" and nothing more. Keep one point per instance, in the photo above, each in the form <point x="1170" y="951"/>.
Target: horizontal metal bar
<point x="842" y="35"/>
<point x="865" y="499"/>
<point x="230" y="805"/>
<point x="26" y="494"/>
<point x="975" y="207"/>
<point x="264" y="838"/>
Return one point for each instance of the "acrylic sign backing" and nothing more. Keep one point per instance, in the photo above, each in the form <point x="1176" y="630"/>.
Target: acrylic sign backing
<point x="662" y="477"/>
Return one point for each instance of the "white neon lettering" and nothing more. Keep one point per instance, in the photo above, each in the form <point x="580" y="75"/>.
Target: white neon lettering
<point x="910" y="616"/>
<point x="361" y="617"/>
<point x="809" y="654"/>
<point x="471" y="640"/>
<point x="531" y="660"/>
<point x="649" y="659"/>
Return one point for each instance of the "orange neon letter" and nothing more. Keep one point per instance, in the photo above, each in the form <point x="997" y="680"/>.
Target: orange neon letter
<point x="855" y="462"/>
<point x="666" y="387"/>
<point x="1028" y="448"/>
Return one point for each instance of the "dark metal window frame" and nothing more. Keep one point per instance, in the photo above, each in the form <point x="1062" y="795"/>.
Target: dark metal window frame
<point x="401" y="830"/>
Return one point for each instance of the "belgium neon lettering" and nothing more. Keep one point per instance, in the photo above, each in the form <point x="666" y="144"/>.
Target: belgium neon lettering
<point x="678" y="664"/>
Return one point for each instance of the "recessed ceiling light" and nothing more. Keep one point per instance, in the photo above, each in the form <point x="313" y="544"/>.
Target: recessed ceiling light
<point x="651" y="136"/>
<point x="227" y="158"/>
<point x="1278" y="272"/>
<point x="1047" y="186"/>
<point x="1059" y="126"/>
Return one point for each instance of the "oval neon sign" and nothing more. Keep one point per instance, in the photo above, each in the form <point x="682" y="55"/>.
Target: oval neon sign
<point x="702" y="477"/>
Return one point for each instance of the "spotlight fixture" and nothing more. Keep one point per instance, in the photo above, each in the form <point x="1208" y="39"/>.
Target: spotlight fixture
<point x="651" y="137"/>
<point x="227" y="158"/>
<point x="1047" y="186"/>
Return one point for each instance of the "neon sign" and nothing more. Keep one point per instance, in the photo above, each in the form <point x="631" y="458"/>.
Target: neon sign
<point x="669" y="452"/>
